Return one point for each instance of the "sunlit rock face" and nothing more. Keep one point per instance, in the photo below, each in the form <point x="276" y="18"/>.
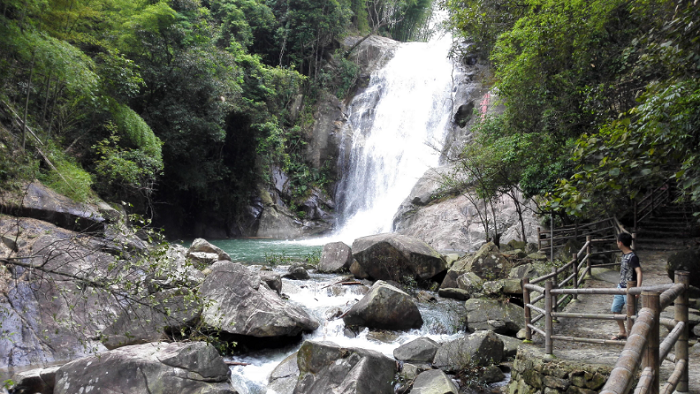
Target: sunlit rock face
<point x="237" y="301"/>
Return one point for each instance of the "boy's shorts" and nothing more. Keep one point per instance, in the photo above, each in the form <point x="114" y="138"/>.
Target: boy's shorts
<point x="618" y="303"/>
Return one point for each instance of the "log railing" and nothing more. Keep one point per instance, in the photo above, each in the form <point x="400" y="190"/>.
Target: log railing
<point x="603" y="230"/>
<point x="642" y="347"/>
<point x="646" y="206"/>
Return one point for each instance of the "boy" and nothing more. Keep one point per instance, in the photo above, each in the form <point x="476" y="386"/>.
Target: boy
<point x="630" y="270"/>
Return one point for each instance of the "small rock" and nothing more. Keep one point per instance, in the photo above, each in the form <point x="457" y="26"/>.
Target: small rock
<point x="457" y="294"/>
<point x="421" y="350"/>
<point x="493" y="288"/>
<point x="433" y="381"/>
<point x="297" y="272"/>
<point x="492" y="374"/>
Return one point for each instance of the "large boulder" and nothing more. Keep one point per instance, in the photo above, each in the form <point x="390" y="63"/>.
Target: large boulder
<point x="470" y="282"/>
<point x="35" y="381"/>
<point x="395" y="257"/>
<point x="385" y="307"/>
<point x="336" y="257"/>
<point x="457" y="269"/>
<point x="175" y="271"/>
<point x="201" y="245"/>
<point x="45" y="305"/>
<point x="685" y="260"/>
<point x="283" y="379"/>
<point x="328" y="368"/>
<point x="419" y="350"/>
<point x="185" y="367"/>
<point x="489" y="264"/>
<point x="498" y="316"/>
<point x="481" y="348"/>
<point x="433" y="381"/>
<point x="152" y="318"/>
<point x="235" y="301"/>
<point x="34" y="200"/>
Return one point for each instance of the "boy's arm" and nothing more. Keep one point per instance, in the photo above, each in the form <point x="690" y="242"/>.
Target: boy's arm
<point x="638" y="270"/>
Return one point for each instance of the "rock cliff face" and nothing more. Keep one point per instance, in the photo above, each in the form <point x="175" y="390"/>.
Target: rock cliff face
<point x="450" y="222"/>
<point x="269" y="216"/>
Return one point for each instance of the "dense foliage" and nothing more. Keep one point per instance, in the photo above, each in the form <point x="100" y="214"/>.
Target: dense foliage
<point x="604" y="93"/>
<point x="177" y="106"/>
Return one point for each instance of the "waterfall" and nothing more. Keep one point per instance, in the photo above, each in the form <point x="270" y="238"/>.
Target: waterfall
<point x="398" y="125"/>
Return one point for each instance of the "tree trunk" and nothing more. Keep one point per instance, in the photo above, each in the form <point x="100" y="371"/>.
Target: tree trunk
<point x="26" y="105"/>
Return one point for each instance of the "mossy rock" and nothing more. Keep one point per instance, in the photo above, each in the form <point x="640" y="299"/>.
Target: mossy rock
<point x="685" y="260"/>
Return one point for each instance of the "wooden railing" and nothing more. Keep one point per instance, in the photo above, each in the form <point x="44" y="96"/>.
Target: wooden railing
<point x="643" y="343"/>
<point x="646" y="206"/>
<point x="606" y="229"/>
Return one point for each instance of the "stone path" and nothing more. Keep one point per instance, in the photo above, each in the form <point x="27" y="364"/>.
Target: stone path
<point x="653" y="265"/>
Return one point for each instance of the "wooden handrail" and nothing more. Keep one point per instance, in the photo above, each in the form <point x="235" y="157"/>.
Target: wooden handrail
<point x="642" y="346"/>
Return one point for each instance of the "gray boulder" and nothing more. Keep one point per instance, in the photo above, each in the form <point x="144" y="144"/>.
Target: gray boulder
<point x="34" y="200"/>
<point x="395" y="257"/>
<point x="297" y="272"/>
<point x="489" y="263"/>
<point x="495" y="315"/>
<point x="272" y="279"/>
<point x="420" y="350"/>
<point x="192" y="367"/>
<point x="510" y="345"/>
<point x="152" y="318"/>
<point x="492" y="288"/>
<point x="524" y="271"/>
<point x="328" y="368"/>
<point x="35" y="381"/>
<point x="202" y="260"/>
<point x="35" y="304"/>
<point x="492" y="374"/>
<point x="481" y="348"/>
<point x="457" y="269"/>
<point x="357" y="271"/>
<point x="433" y="381"/>
<point x="385" y="307"/>
<point x="457" y="294"/>
<point x="235" y="302"/>
<point x="201" y="245"/>
<point x="176" y="271"/>
<point x="336" y="257"/>
<point x="470" y="282"/>
<point x="685" y="260"/>
<point x="283" y="379"/>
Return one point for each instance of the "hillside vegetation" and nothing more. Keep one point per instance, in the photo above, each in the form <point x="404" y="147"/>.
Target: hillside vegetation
<point x="177" y="107"/>
<point x="602" y="99"/>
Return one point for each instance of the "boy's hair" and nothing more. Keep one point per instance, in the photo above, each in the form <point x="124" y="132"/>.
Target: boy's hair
<point x="625" y="238"/>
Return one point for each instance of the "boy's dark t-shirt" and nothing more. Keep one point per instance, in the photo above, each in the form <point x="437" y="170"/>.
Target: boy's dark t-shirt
<point x="629" y="262"/>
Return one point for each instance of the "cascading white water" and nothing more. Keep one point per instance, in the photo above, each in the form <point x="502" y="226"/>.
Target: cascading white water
<point x="399" y="124"/>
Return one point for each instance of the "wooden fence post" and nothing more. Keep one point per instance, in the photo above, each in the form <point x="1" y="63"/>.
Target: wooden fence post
<point x="651" y="351"/>
<point x="551" y="238"/>
<point x="548" y="348"/>
<point x="588" y="254"/>
<point x="631" y="304"/>
<point x="555" y="285"/>
<point x="575" y="272"/>
<point x="539" y="238"/>
<point x="633" y="245"/>
<point x="528" y="312"/>
<point x="681" y="314"/>
<point x="636" y="208"/>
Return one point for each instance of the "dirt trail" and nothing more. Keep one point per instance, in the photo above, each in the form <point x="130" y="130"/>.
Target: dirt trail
<point x="653" y="265"/>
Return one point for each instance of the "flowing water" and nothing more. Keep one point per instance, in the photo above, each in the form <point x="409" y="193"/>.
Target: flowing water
<point x="398" y="126"/>
<point x="321" y="299"/>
